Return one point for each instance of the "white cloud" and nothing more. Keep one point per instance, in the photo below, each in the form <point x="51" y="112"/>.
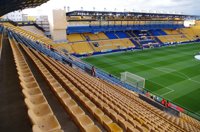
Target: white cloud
<point x="186" y="6"/>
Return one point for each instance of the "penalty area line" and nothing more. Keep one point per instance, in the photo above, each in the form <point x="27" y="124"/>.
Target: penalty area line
<point x="171" y="90"/>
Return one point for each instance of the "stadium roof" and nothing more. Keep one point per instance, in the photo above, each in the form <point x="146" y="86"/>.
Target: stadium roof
<point x="7" y="6"/>
<point x="109" y="13"/>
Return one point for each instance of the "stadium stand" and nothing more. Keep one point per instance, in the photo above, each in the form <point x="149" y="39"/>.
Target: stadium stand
<point x="111" y="41"/>
<point x="111" y="35"/>
<point x="65" y="47"/>
<point x="142" y="38"/>
<point x="175" y="36"/>
<point x="98" y="42"/>
<point x="33" y="29"/>
<point x="75" y="37"/>
<point x="90" y="36"/>
<point x="121" y="34"/>
<point x="82" y="48"/>
<point x="93" y="104"/>
<point x="32" y="35"/>
<point x="102" y="36"/>
<point x="157" y="32"/>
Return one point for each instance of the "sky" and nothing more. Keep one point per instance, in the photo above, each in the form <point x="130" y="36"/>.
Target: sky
<point x="191" y="7"/>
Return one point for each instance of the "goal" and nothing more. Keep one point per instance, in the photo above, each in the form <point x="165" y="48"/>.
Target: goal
<point x="133" y="79"/>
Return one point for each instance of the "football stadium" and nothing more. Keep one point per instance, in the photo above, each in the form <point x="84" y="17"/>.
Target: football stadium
<point x="98" y="71"/>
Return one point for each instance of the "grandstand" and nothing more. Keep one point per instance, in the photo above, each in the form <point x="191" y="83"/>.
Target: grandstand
<point x="49" y="89"/>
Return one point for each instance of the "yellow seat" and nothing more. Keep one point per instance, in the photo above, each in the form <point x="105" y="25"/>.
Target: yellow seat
<point x="41" y="110"/>
<point x="22" y="65"/>
<point x="27" y="79"/>
<point x="90" y="106"/>
<point x="69" y="103"/>
<point x="47" y="123"/>
<point x="84" y="99"/>
<point x="76" y="111"/>
<point x="60" y="90"/>
<point x="134" y="122"/>
<point x="132" y="129"/>
<point x="27" y="74"/>
<point x="31" y="92"/>
<point x="98" y="113"/>
<point x="120" y="120"/>
<point x="35" y="100"/>
<point x="85" y="121"/>
<point x="35" y="128"/>
<point x="56" y="85"/>
<point x="127" y="126"/>
<point x="114" y="128"/>
<point x="52" y="80"/>
<point x="29" y="85"/>
<point x="64" y="95"/>
<point x="23" y="70"/>
<point x="92" y="128"/>
<point x="106" y="120"/>
<point x="79" y="94"/>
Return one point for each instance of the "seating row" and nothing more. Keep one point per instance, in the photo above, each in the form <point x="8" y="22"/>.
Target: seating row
<point x="79" y="116"/>
<point x="28" y="34"/>
<point x="108" y="124"/>
<point x="39" y="110"/>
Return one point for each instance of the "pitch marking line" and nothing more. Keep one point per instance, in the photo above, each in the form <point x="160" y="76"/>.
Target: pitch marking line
<point x="170" y="71"/>
<point x="167" y="92"/>
<point x="187" y="77"/>
<point x="171" y="90"/>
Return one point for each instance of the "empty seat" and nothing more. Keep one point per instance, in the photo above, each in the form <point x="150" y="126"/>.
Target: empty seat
<point x="27" y="74"/>
<point x="106" y="120"/>
<point x="34" y="101"/>
<point x="37" y="129"/>
<point x="60" y="90"/>
<point x="77" y="111"/>
<point x="114" y="128"/>
<point x="84" y="99"/>
<point x="27" y="79"/>
<point x="46" y="123"/>
<point x="85" y="122"/>
<point x="90" y="106"/>
<point x="127" y="126"/>
<point x="31" y="92"/>
<point x="64" y="95"/>
<point x="92" y="128"/>
<point x="98" y="113"/>
<point x="41" y="110"/>
<point x="29" y="85"/>
<point x="69" y="103"/>
<point x="52" y="80"/>
<point x="79" y="94"/>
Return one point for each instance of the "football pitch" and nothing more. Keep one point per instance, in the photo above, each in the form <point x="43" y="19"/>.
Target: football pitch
<point x="170" y="72"/>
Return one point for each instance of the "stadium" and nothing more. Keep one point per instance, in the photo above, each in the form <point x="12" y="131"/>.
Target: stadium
<point x="99" y="71"/>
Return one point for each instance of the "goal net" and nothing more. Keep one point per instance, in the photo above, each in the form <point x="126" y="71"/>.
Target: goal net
<point x="133" y="79"/>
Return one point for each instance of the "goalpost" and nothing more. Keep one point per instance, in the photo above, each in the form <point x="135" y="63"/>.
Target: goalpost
<point x="133" y="79"/>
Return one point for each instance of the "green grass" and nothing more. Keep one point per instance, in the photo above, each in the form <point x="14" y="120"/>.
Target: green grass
<point x="170" y="72"/>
